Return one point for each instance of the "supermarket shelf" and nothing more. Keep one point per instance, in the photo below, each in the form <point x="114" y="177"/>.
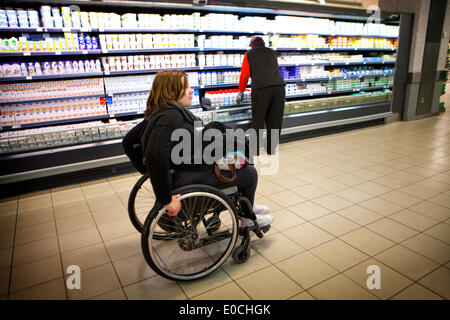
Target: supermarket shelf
<point x="52" y="77"/>
<point x="337" y="77"/>
<point x="51" y="99"/>
<point x="162" y="50"/>
<point x="300" y="122"/>
<point x="156" y="50"/>
<point x="326" y="118"/>
<point x="54" y="161"/>
<point x="339" y="64"/>
<point x="149" y="71"/>
<point x="44" y="29"/>
<point x="48" y="53"/>
<point x="146" y="71"/>
<point x="112" y="94"/>
<point x="228" y="85"/>
<point x="219" y="85"/>
<point x="124" y="114"/>
<point x="159" y="30"/>
<point x="238" y="123"/>
<point x="336" y="64"/>
<point x="329" y="93"/>
<point x="336" y="49"/>
<point x="55" y="122"/>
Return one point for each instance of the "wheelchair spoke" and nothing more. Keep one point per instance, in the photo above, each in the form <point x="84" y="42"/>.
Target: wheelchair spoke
<point x="196" y="241"/>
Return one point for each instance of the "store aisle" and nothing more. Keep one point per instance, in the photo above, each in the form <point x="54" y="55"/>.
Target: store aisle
<point x="377" y="196"/>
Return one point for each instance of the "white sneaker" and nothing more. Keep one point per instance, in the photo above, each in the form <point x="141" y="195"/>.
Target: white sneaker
<point x="263" y="221"/>
<point x="260" y="209"/>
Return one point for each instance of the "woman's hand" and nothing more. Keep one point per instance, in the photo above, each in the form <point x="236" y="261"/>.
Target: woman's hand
<point x="174" y="206"/>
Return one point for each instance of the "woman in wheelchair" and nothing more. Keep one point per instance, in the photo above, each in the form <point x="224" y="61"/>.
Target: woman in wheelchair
<point x="194" y="224"/>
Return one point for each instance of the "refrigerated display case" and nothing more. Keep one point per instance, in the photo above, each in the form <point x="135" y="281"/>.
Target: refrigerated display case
<point x="74" y="82"/>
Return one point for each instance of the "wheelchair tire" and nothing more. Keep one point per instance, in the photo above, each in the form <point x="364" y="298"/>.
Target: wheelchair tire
<point x="241" y="254"/>
<point x="189" y="251"/>
<point x="139" y="202"/>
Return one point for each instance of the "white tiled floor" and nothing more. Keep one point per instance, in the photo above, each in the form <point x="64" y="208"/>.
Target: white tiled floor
<point x="342" y="202"/>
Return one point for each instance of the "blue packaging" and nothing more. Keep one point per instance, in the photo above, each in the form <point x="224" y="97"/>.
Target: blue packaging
<point x="94" y="42"/>
<point x="81" y="42"/>
<point x="88" y="42"/>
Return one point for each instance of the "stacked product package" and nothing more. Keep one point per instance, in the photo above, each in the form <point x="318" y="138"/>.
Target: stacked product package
<point x="42" y="138"/>
<point x="148" y="62"/>
<point x="30" y="69"/>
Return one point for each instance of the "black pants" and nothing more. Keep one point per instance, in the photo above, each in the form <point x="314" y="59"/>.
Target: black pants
<point x="268" y="108"/>
<point x="246" y="180"/>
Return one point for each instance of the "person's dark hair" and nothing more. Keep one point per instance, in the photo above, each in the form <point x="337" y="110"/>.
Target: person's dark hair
<point x="256" y="41"/>
<point x="168" y="86"/>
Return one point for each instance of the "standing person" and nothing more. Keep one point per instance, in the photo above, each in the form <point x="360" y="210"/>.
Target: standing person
<point x="167" y="111"/>
<point x="268" y="89"/>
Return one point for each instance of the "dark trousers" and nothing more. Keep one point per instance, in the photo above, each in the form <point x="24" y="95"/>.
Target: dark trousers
<point x="268" y="108"/>
<point x="246" y="180"/>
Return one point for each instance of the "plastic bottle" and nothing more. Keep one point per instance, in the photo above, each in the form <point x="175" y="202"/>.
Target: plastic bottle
<point x="81" y="66"/>
<point x="68" y="66"/>
<point x="37" y="68"/>
<point x="98" y="66"/>
<point x="75" y="67"/>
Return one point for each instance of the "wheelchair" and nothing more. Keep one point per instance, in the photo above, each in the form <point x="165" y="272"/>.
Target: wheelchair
<point x="197" y="241"/>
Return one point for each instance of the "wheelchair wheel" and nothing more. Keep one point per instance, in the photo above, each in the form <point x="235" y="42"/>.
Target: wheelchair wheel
<point x="197" y="241"/>
<point x="140" y="202"/>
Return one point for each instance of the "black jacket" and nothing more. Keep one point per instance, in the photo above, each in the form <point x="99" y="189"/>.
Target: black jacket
<point x="264" y="69"/>
<point x="158" y="148"/>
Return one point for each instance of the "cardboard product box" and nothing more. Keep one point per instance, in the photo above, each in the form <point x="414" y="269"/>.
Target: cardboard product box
<point x="102" y="133"/>
<point x="72" y="137"/>
<point x="40" y="141"/>
<point x="64" y="137"/>
<point x="32" y="142"/>
<point x="23" y="143"/>
<point x="117" y="133"/>
<point x="95" y="134"/>
<point x="79" y="135"/>
<point x="110" y="132"/>
<point x="56" y="139"/>
<point x="4" y="146"/>
<point x="14" y="145"/>
<point x="48" y="139"/>
<point x="87" y="134"/>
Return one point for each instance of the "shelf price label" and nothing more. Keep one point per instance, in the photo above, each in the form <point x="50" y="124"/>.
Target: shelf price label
<point x="27" y="53"/>
<point x="85" y="52"/>
<point x="58" y="53"/>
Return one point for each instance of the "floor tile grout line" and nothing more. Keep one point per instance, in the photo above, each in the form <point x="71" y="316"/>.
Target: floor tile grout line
<point x="409" y="286"/>
<point x="37" y="285"/>
<point x="103" y="243"/>
<point x="59" y="248"/>
<point x="12" y="253"/>
<point x="420" y="278"/>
